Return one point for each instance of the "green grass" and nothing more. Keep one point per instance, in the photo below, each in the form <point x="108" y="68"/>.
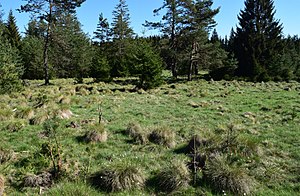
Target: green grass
<point x="266" y="115"/>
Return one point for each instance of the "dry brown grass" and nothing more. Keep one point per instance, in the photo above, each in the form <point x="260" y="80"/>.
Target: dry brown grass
<point x="5" y="156"/>
<point x="44" y="179"/>
<point x="2" y="184"/>
<point x="24" y="113"/>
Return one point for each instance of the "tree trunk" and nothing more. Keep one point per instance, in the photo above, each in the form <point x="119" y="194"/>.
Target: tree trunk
<point x="190" y="71"/>
<point x="46" y="46"/>
<point x="45" y="57"/>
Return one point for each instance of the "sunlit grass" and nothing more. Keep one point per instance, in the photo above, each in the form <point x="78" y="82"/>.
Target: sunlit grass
<point x="267" y="117"/>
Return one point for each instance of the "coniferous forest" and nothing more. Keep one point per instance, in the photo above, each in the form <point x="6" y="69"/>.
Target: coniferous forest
<point x="183" y="112"/>
<point x="54" y="45"/>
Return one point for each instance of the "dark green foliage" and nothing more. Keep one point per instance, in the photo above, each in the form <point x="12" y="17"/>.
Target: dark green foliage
<point x="47" y="11"/>
<point x="185" y="27"/>
<point x="10" y="68"/>
<point x="72" y="47"/>
<point x="100" y="68"/>
<point x="147" y="65"/>
<point x="170" y="27"/>
<point x="102" y="32"/>
<point x="12" y="32"/>
<point x="32" y="56"/>
<point x="122" y="34"/>
<point x="120" y="26"/>
<point x="289" y="61"/>
<point x="258" y="40"/>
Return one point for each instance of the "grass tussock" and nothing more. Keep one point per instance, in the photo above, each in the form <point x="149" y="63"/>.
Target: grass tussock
<point x="163" y="136"/>
<point x="223" y="176"/>
<point x="95" y="133"/>
<point x="16" y="125"/>
<point x="64" y="100"/>
<point x="24" y="113"/>
<point x="39" y="118"/>
<point x="63" y="113"/>
<point x="5" y="156"/>
<point x="119" y="178"/>
<point x="2" y="184"/>
<point x="44" y="179"/>
<point x="137" y="133"/>
<point x="6" y="114"/>
<point x="172" y="178"/>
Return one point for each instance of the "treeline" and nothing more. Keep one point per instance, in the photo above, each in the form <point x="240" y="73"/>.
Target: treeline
<point x="54" y="45"/>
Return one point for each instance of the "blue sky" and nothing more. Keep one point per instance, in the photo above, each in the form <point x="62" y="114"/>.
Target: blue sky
<point x="141" y="10"/>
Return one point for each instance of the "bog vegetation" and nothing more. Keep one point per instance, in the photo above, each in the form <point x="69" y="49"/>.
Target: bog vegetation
<point x="200" y="137"/>
<point x="181" y="113"/>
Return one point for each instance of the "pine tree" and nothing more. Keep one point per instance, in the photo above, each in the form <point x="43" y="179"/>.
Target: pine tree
<point x="102" y="32"/>
<point x="258" y="40"/>
<point x="12" y="31"/>
<point x="46" y="10"/>
<point x="198" y="21"/>
<point x="170" y="26"/>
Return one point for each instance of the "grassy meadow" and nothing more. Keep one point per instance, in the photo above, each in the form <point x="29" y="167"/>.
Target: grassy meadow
<point x="97" y="138"/>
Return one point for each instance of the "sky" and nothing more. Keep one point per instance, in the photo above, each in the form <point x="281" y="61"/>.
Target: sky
<point x="287" y="11"/>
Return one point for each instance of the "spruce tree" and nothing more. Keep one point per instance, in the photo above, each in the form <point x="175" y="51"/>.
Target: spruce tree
<point x="102" y="32"/>
<point x="10" y="67"/>
<point x="122" y="34"/>
<point x="12" y="31"/>
<point x="214" y="37"/>
<point x="258" y="40"/>
<point x="121" y="22"/>
<point x="73" y="46"/>
<point x="1" y="14"/>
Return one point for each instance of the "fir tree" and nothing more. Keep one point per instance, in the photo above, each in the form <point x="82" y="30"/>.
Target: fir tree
<point x="258" y="39"/>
